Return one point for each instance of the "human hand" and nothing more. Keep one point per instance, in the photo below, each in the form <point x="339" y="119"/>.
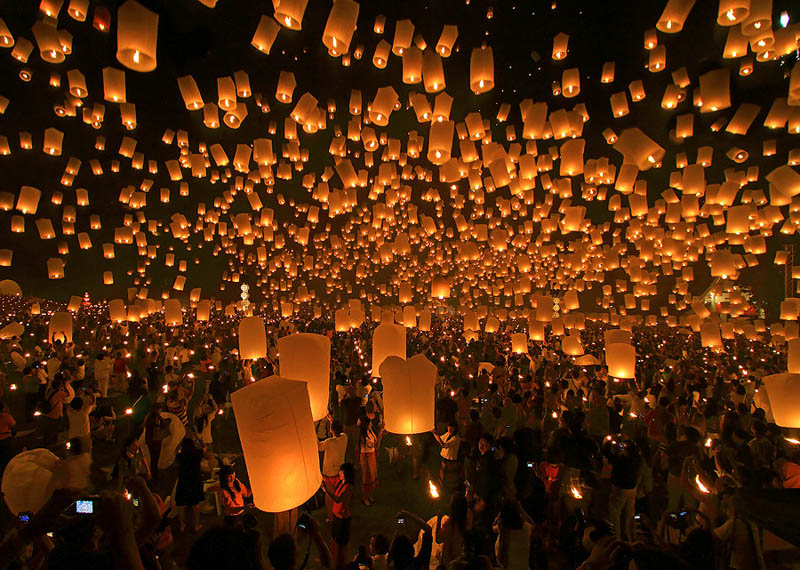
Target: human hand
<point x="605" y="554"/>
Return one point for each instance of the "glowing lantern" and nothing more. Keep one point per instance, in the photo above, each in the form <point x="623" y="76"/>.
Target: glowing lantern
<point x="289" y="13"/>
<point x="61" y="326"/>
<point x="55" y="268"/>
<point x="173" y="315"/>
<point x="340" y="26"/>
<point x="519" y="343"/>
<point x="560" y="42"/>
<point x="265" y="34"/>
<point x="307" y="357"/>
<point x="116" y="310"/>
<point x="28" y="199"/>
<point x="444" y="47"/>
<point x="387" y="340"/>
<point x="409" y="317"/>
<point x="137" y="36"/>
<point x="432" y="72"/>
<point x="203" y="310"/>
<point x="29" y="480"/>
<point x="572" y="346"/>
<point x="440" y="288"/>
<point x="710" y="335"/>
<point x="793" y="356"/>
<point x="783" y="390"/>
<point x="408" y="394"/>
<point x="674" y="16"/>
<point x="273" y="418"/>
<point x="621" y="360"/>
<point x="481" y="70"/>
<point x="383" y="104"/>
<point x="252" y="338"/>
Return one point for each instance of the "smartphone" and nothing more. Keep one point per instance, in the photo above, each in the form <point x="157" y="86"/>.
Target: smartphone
<point x="401" y="520"/>
<point x="135" y="501"/>
<point x="84" y="506"/>
<point x="530" y="464"/>
<point x="24" y="517"/>
<point x="637" y="517"/>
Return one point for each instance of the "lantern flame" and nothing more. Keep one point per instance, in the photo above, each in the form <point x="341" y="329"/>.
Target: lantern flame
<point x="433" y="490"/>
<point x="701" y="486"/>
<point x="408" y="441"/>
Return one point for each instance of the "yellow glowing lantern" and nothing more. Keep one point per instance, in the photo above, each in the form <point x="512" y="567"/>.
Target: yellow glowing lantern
<point x="481" y="70"/>
<point x="572" y="346"/>
<point x="560" y="43"/>
<point x="409" y="394"/>
<point x="444" y="47"/>
<point x="137" y="36"/>
<point x="265" y="34"/>
<point x="782" y="390"/>
<point x="621" y="360"/>
<point x="60" y="326"/>
<point x="340" y="26"/>
<point x="173" y="315"/>
<point x="306" y="357"/>
<point x="519" y="343"/>
<point x="276" y="429"/>
<point x="289" y="13"/>
<point x="674" y="16"/>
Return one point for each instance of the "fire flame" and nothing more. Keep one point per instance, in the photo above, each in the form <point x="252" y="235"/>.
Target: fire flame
<point x="699" y="483"/>
<point x="433" y="490"/>
<point x="575" y="492"/>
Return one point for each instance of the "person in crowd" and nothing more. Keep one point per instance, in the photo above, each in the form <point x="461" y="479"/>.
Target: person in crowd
<point x="342" y="497"/>
<point x="233" y="495"/>
<point x="450" y="443"/>
<point x="333" y="449"/>
<point x="7" y="433"/>
<point x="370" y="432"/>
<point x="189" y="487"/>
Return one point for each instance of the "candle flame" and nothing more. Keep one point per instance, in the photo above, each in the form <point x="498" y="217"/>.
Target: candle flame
<point x="433" y="490"/>
<point x="408" y="441"/>
<point x="700" y="486"/>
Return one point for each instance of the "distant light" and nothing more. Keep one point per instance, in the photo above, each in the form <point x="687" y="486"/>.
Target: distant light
<point x="784" y="19"/>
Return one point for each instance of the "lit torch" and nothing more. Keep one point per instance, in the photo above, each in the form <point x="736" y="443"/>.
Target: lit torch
<point x="703" y="489"/>
<point x="576" y="493"/>
<point x="433" y="490"/>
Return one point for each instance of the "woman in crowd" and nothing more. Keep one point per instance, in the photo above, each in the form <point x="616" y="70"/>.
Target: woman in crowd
<point x="342" y="497"/>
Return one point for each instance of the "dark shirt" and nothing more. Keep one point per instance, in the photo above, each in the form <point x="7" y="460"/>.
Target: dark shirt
<point x="677" y="453"/>
<point x="624" y="468"/>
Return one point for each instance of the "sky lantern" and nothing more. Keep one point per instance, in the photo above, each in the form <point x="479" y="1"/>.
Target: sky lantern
<point x="409" y="317"/>
<point x="61" y="326"/>
<point x="173" y="315"/>
<point x="440" y="288"/>
<point x="276" y="429"/>
<point x="560" y="42"/>
<point x="444" y="47"/>
<point x="340" y="27"/>
<point x="403" y="36"/>
<point x="289" y="13"/>
<point x="571" y="345"/>
<point x="783" y="393"/>
<point x="481" y="70"/>
<point x="674" y="16"/>
<point x="621" y="360"/>
<point x="307" y="357"/>
<point x="408" y="394"/>
<point x="424" y="324"/>
<point x="137" y="36"/>
<point x="432" y="72"/>
<point x="519" y="343"/>
<point x="265" y="34"/>
<point x="46" y="37"/>
<point x="29" y="480"/>
<point x="387" y="340"/>
<point x="203" y="310"/>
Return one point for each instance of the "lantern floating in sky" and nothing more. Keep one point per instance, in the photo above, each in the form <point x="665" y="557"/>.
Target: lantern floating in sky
<point x="783" y="391"/>
<point x="307" y="357"/>
<point x="137" y="36"/>
<point x="387" y="340"/>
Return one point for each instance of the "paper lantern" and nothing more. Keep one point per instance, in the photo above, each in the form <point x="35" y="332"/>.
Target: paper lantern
<point x="409" y="317"/>
<point x="409" y="388"/>
<point x="55" y="268"/>
<point x="276" y="429"/>
<point x="28" y="480"/>
<point x="440" y="288"/>
<point x="492" y="324"/>
<point x="28" y="199"/>
<point x="137" y="36"/>
<point x="340" y="26"/>
<point x="61" y="326"/>
<point x="307" y="357"/>
<point x="265" y="34"/>
<point x="173" y="315"/>
<point x="732" y="12"/>
<point x="78" y="9"/>
<point x="674" y="16"/>
<point x="9" y="287"/>
<point x="536" y="331"/>
<point x="116" y="310"/>
<point x="424" y="324"/>
<point x="382" y="105"/>
<point x="783" y="391"/>
<point x="621" y="360"/>
<point x="447" y="39"/>
<point x="289" y="13"/>
<point x="519" y="343"/>
<point x="793" y="355"/>
<point x="560" y="43"/>
<point x="481" y="70"/>
<point x="387" y="340"/>
<point x="440" y="141"/>
<point x="572" y="346"/>
<point x="710" y="335"/>
<point x="203" y="310"/>
<point x="252" y="338"/>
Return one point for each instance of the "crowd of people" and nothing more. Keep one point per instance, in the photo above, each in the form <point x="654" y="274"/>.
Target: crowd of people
<point x="535" y="461"/>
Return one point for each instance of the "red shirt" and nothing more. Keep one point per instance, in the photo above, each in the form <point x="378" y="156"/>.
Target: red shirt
<point x="342" y="510"/>
<point x="6" y="423"/>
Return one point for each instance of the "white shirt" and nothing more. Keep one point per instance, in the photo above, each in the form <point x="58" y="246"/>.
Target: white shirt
<point x="450" y="445"/>
<point x="334" y="449"/>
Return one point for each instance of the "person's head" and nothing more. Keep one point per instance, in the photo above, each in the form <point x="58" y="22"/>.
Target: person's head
<point x="75" y="446"/>
<point x="131" y="444"/>
<point x="226" y="476"/>
<point x="187" y="445"/>
<point x="378" y="544"/>
<point x="282" y="552"/>
<point x="510" y="517"/>
<point x="401" y="553"/>
<point x="473" y="415"/>
<point x="337" y="428"/>
<point x="347" y="473"/>
<point x="663" y="402"/>
<point x="485" y="443"/>
<point x="76" y="403"/>
<point x="214" y="548"/>
<point x="452" y="428"/>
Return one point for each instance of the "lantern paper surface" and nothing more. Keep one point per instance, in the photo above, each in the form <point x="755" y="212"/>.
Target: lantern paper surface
<point x="28" y="480"/>
<point x="387" y="340"/>
<point x="273" y="417"/>
<point x="621" y="360"/>
<point x="60" y="326"/>
<point x="307" y="357"/>
<point x="784" y="398"/>
<point x="408" y="394"/>
<point x="252" y="338"/>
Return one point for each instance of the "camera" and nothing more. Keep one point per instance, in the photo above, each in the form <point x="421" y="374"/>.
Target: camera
<point x="401" y="520"/>
<point x="24" y="517"/>
<point x="530" y="464"/>
<point x="304" y="521"/>
<point x="679" y="520"/>
<point x="84" y="507"/>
